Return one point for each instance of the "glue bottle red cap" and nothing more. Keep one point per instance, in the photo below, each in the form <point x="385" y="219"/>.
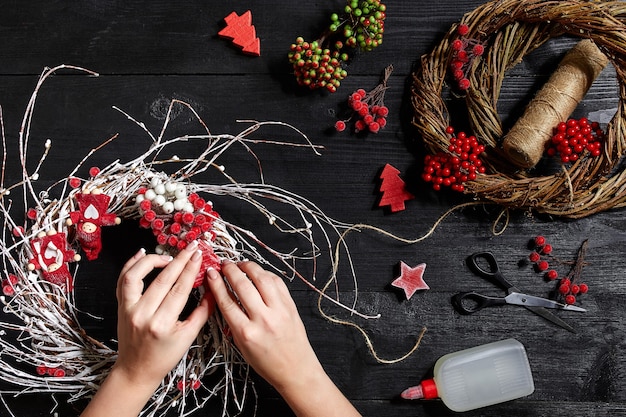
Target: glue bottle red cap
<point x="425" y="390"/>
<point x="429" y="388"/>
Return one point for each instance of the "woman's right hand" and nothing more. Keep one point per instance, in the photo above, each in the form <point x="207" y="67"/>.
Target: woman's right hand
<point x="269" y="332"/>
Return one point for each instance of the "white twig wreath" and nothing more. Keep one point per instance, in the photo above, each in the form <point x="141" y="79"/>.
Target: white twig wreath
<point x="45" y="349"/>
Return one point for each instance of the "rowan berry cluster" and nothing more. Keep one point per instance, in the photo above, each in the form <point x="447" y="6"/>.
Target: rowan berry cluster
<point x="175" y="217"/>
<point x="460" y="164"/>
<point x="567" y="289"/>
<point x="464" y="51"/>
<point x="8" y="285"/>
<point x="318" y="64"/>
<point x="368" y="108"/>
<point x="572" y="138"/>
<point x="194" y="384"/>
<point x="51" y="371"/>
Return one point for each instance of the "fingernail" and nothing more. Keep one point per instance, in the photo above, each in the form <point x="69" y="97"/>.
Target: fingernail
<point x="167" y="258"/>
<point x="192" y="246"/>
<point x="140" y="253"/>
<point x="212" y="273"/>
<point x="197" y="255"/>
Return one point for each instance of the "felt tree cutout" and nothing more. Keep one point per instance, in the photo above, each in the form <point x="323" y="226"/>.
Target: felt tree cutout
<point x="411" y="279"/>
<point x="241" y="32"/>
<point x="393" y="189"/>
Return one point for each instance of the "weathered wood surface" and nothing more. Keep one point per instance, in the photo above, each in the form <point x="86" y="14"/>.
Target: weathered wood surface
<point x="150" y="52"/>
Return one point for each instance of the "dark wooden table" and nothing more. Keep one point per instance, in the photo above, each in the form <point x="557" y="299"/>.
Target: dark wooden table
<point x="149" y="52"/>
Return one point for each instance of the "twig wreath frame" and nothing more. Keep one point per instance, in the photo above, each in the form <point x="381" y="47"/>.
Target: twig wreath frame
<point x="44" y="349"/>
<point x="510" y="29"/>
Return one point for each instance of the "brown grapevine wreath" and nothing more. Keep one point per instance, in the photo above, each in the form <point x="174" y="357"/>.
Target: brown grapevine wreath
<point x="505" y="31"/>
<point x="44" y="348"/>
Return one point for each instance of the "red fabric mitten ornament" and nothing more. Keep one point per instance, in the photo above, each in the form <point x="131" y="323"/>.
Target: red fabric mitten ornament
<point x="89" y="219"/>
<point x="393" y="190"/>
<point x="51" y="256"/>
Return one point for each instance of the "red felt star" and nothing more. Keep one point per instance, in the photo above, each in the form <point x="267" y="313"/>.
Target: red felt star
<point x="241" y="31"/>
<point x="411" y="279"/>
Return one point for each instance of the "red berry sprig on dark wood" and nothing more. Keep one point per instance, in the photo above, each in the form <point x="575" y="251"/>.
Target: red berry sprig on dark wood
<point x="319" y="64"/>
<point x="568" y="287"/>
<point x="572" y="138"/>
<point x="460" y="164"/>
<point x="368" y="108"/>
<point x="464" y="52"/>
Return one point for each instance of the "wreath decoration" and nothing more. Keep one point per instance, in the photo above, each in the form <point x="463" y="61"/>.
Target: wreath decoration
<point x="508" y="30"/>
<point x="44" y="349"/>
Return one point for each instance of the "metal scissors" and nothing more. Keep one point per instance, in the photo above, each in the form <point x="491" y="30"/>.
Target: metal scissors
<point x="471" y="301"/>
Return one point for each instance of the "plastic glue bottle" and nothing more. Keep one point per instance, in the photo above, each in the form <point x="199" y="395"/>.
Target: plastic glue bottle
<point x="477" y="377"/>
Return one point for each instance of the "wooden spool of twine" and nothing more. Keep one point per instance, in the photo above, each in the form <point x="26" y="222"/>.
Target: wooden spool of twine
<point x="510" y="29"/>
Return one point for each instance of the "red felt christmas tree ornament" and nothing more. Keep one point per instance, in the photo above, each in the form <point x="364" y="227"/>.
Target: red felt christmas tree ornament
<point x="242" y="33"/>
<point x="393" y="189"/>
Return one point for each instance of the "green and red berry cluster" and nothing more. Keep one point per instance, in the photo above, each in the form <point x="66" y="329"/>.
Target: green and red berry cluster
<point x="460" y="164"/>
<point x="363" y="23"/>
<point x="368" y="108"/>
<point x="319" y="63"/>
<point x="568" y="287"/>
<point x="464" y="51"/>
<point x="572" y="138"/>
<point x="317" y="67"/>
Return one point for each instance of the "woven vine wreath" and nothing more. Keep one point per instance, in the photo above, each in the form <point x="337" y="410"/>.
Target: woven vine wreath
<point x="508" y="30"/>
<point x="44" y="348"/>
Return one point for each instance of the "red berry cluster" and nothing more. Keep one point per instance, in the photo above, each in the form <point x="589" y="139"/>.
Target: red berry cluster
<point x="318" y="64"/>
<point x="177" y="230"/>
<point x="452" y="169"/>
<point x="567" y="289"/>
<point x="317" y="67"/>
<point x="572" y="138"/>
<point x="368" y="108"/>
<point x="541" y="264"/>
<point x="8" y="285"/>
<point x="194" y="385"/>
<point x="51" y="371"/>
<point x="464" y="51"/>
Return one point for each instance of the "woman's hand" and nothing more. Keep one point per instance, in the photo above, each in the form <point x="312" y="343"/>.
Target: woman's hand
<point x="152" y="339"/>
<point x="270" y="333"/>
<point x="271" y="336"/>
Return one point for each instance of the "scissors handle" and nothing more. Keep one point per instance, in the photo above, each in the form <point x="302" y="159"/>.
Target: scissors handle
<point x="493" y="274"/>
<point x="470" y="302"/>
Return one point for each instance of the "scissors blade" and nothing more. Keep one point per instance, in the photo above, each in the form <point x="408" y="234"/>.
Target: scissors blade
<point x="543" y="312"/>
<point x="532" y="301"/>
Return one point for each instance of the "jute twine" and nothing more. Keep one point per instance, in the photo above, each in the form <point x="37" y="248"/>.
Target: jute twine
<point x="510" y="29"/>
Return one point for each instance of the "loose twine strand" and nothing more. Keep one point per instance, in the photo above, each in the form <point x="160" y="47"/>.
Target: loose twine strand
<point x="496" y="230"/>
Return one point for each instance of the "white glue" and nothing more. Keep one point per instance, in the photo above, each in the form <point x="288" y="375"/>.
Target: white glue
<point x="478" y="377"/>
